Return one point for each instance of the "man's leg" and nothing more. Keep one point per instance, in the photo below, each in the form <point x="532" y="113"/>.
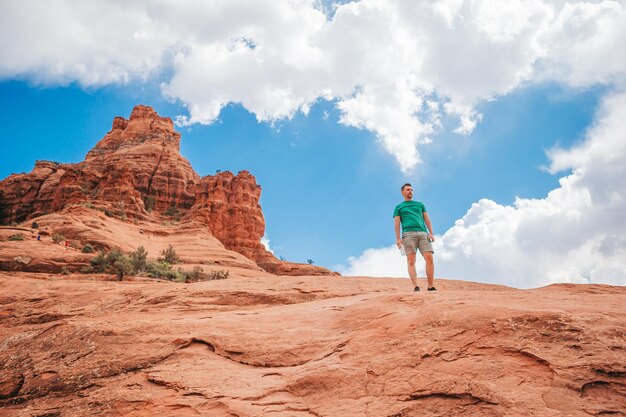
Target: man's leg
<point x="410" y="260"/>
<point x="430" y="268"/>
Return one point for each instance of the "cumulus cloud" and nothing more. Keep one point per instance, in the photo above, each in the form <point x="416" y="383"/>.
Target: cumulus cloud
<point x="577" y="233"/>
<point x="265" y="241"/>
<point x="377" y="262"/>
<point x="384" y="63"/>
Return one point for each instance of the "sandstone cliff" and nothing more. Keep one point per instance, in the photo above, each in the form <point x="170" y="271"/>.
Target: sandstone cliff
<point x="136" y="172"/>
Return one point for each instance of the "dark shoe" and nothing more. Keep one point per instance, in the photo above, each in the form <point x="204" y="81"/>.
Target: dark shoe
<point x="432" y="289"/>
<point x="416" y="289"/>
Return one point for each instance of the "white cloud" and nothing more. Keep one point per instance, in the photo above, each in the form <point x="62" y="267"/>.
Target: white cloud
<point x="577" y="233"/>
<point x="381" y="61"/>
<point x="377" y="262"/>
<point x="265" y="241"/>
<point x="586" y="44"/>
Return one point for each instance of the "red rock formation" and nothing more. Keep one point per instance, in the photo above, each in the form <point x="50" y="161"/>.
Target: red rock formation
<point x="136" y="171"/>
<point x="137" y="162"/>
<point x="229" y="204"/>
<point x="148" y="148"/>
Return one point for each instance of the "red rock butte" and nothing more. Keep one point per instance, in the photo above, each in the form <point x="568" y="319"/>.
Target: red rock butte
<point x="136" y="173"/>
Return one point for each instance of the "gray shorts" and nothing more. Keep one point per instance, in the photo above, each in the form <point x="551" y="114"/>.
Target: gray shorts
<point x="414" y="240"/>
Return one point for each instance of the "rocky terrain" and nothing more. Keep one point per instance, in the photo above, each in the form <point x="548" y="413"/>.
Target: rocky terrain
<point x="136" y="174"/>
<point x="273" y="337"/>
<point x="261" y="345"/>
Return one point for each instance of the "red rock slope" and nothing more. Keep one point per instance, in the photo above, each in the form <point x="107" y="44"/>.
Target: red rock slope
<point x="136" y="173"/>
<point x="324" y="346"/>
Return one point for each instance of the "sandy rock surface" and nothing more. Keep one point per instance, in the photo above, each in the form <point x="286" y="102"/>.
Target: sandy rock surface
<point x="307" y="346"/>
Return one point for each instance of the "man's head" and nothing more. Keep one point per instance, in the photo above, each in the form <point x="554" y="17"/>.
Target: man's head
<point x="407" y="191"/>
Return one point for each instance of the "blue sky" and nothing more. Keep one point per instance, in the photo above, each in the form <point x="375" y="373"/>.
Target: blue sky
<point x="328" y="190"/>
<point x="333" y="113"/>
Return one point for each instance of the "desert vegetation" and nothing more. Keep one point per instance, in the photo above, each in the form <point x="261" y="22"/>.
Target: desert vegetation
<point x="58" y="238"/>
<point x="88" y="248"/>
<point x="137" y="263"/>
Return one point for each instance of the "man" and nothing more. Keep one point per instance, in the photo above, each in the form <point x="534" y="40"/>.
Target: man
<point x="417" y="233"/>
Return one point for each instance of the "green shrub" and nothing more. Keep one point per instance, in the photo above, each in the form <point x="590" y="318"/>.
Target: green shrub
<point x="163" y="269"/>
<point x="57" y="238"/>
<point x="86" y="270"/>
<point x="99" y="263"/>
<point x="177" y="275"/>
<point x="139" y="258"/>
<point x="169" y="255"/>
<point x="113" y="255"/>
<point x="158" y="269"/>
<point x="113" y="262"/>
<point x="88" y="248"/>
<point x="65" y="271"/>
<point x="35" y="225"/>
<point x="195" y="273"/>
<point x="74" y="244"/>
<point x="122" y="266"/>
<point x="15" y="237"/>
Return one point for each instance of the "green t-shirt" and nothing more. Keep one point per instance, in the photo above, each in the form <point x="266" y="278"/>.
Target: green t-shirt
<point x="411" y="216"/>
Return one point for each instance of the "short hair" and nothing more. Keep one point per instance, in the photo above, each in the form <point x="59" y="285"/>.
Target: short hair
<point x="405" y="185"/>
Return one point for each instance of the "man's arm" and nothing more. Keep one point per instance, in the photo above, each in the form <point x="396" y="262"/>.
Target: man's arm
<point x="396" y="221"/>
<point x="431" y="235"/>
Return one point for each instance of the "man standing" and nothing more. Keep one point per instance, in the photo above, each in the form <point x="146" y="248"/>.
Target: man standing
<point x="417" y="233"/>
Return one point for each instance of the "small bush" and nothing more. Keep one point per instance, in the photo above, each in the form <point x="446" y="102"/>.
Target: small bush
<point x="169" y="255"/>
<point x="65" y="271"/>
<point x="221" y="274"/>
<point x="18" y="236"/>
<point x="113" y="262"/>
<point x="75" y="245"/>
<point x="122" y="266"/>
<point x="195" y="273"/>
<point x="99" y="263"/>
<point x="139" y="259"/>
<point x="35" y="225"/>
<point x="158" y="269"/>
<point x="86" y="270"/>
<point x="177" y="275"/>
<point x="57" y="238"/>
<point x="114" y="255"/>
<point x="88" y="248"/>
